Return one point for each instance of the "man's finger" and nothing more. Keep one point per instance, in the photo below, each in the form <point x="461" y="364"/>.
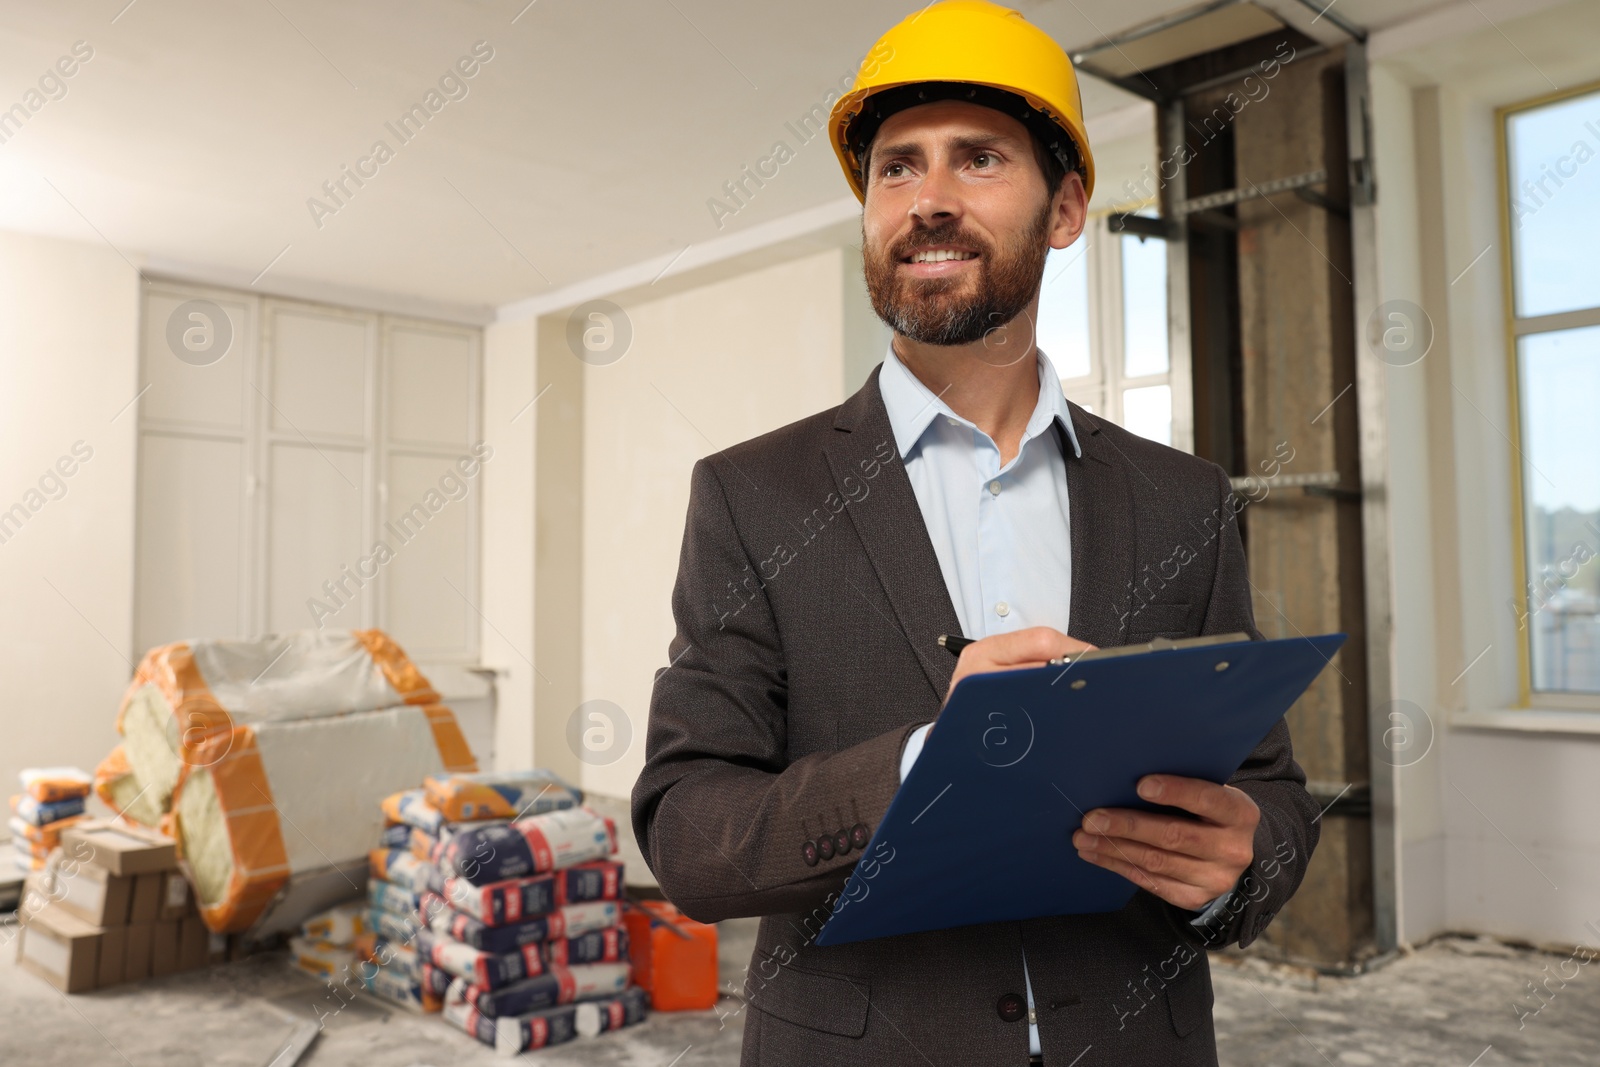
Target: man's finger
<point x="1189" y="870"/>
<point x="1035" y="644"/>
<point x="1170" y="833"/>
<point x="1222" y="804"/>
<point x="1170" y="890"/>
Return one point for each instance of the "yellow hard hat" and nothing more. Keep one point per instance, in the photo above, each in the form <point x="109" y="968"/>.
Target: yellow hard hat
<point x="972" y="50"/>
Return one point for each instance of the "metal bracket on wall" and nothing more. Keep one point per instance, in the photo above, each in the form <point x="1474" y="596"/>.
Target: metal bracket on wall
<point x="1143" y="226"/>
<point x="1228" y="197"/>
<point x="1320" y="483"/>
<point x="1334" y="798"/>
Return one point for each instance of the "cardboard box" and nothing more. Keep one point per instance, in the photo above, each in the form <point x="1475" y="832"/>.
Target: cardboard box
<point x="113" y="957"/>
<point x="119" y="847"/>
<point x="145" y="904"/>
<point x="93" y="893"/>
<point x="62" y="949"/>
<point x="36" y="894"/>
<point x="194" y="943"/>
<point x="163" y="948"/>
<point x="176" y="900"/>
<point x="136" y="961"/>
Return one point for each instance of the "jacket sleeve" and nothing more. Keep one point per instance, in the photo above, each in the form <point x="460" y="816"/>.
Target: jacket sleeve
<point x="721" y="813"/>
<point x="1288" y="830"/>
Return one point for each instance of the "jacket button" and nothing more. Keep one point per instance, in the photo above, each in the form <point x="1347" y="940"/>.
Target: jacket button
<point x="859" y="836"/>
<point x="1011" y="1007"/>
<point x="841" y="842"/>
<point x="808" y="852"/>
<point x="825" y="846"/>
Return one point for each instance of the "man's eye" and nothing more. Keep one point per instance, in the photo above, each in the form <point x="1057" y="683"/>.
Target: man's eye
<point x="893" y="170"/>
<point x="982" y="159"/>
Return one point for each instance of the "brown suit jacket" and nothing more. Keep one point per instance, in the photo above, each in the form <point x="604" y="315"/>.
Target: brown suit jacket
<point x="808" y="604"/>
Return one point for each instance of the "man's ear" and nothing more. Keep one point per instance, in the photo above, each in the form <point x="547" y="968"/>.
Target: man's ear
<point x="1069" y="211"/>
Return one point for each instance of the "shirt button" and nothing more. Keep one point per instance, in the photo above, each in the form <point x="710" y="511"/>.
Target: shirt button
<point x="1002" y="609"/>
<point x="994" y="488"/>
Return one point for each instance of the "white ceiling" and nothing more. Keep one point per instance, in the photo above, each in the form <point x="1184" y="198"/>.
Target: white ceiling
<point x="592" y="140"/>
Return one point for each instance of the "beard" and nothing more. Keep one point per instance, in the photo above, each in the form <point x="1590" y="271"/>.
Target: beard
<point x="956" y="311"/>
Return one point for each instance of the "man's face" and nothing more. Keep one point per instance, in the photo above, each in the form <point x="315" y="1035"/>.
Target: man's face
<point x="957" y="222"/>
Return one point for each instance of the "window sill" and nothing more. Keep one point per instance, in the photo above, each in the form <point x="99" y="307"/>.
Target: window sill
<point x="1530" y="721"/>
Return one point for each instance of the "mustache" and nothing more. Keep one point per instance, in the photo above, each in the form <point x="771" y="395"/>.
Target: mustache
<point x="949" y="233"/>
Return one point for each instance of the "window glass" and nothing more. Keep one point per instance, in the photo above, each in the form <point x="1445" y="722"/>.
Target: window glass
<point x="1063" y="331"/>
<point x="1144" y="306"/>
<point x="1147" y="411"/>
<point x="1555" y="205"/>
<point x="1560" y="393"/>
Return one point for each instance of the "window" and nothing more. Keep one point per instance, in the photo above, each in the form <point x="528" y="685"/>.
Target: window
<point x="280" y="444"/>
<point x="1103" y="323"/>
<point x="1553" y="220"/>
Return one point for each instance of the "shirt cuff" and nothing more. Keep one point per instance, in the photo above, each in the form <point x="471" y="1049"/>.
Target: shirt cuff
<point x="1205" y="914"/>
<point x="913" y="749"/>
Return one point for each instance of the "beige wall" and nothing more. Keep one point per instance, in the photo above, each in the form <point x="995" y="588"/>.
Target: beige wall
<point x="708" y="368"/>
<point x="69" y="367"/>
<point x="506" y="598"/>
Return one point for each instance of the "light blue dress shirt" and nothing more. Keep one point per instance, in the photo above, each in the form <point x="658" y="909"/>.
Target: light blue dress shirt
<point x="1002" y="533"/>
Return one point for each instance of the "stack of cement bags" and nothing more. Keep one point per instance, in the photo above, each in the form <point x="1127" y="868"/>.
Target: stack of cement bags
<point x="51" y="800"/>
<point x="494" y="898"/>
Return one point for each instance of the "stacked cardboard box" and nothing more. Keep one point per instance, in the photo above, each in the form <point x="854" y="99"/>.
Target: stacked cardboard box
<point x="110" y="906"/>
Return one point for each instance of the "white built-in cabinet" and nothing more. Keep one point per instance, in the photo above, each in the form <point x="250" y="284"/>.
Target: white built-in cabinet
<point x="269" y="476"/>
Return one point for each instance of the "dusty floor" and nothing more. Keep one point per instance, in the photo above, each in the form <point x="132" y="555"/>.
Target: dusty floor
<point x="1449" y="1005"/>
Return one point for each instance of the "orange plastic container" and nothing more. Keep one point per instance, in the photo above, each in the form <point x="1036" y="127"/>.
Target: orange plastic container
<point x="676" y="963"/>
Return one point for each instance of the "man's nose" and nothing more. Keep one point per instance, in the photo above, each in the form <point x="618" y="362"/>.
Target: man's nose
<point x="938" y="198"/>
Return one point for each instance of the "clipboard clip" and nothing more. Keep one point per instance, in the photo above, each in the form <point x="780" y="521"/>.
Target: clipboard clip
<point x="1159" y="644"/>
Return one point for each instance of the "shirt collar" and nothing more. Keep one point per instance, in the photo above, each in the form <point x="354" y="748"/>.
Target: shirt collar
<point x="912" y="406"/>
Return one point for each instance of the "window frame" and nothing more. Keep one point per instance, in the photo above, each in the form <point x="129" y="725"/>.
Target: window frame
<point x="1515" y="329"/>
<point x="1101" y="389"/>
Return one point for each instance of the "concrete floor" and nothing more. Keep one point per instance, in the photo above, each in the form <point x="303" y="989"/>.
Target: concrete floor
<point x="1449" y="1004"/>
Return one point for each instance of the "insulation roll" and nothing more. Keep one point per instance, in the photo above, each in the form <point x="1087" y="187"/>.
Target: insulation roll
<point x="184" y="695"/>
<point x="259" y="804"/>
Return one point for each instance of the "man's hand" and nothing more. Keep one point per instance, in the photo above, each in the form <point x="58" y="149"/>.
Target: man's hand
<point x="1033" y="647"/>
<point x="1185" y="862"/>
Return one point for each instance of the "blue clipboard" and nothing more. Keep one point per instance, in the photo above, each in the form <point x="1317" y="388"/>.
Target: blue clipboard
<point x="981" y="829"/>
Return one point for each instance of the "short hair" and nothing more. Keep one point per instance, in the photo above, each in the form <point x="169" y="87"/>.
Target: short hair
<point x="1053" y="149"/>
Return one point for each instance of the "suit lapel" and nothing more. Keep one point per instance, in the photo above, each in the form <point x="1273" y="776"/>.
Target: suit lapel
<point x="890" y="525"/>
<point x="1100" y="504"/>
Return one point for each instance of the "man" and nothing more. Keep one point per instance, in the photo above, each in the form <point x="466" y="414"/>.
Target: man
<point x="956" y="492"/>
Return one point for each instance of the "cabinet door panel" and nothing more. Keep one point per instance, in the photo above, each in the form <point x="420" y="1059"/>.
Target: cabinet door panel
<point x="196" y="363"/>
<point x="428" y="513"/>
<point x="431" y="385"/>
<point x="315" y="505"/>
<point x="320" y="362"/>
<point x="190" y="558"/>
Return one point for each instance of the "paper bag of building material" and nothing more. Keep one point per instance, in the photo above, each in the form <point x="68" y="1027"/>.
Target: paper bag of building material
<point x="528" y="846"/>
<point x="500" y="795"/>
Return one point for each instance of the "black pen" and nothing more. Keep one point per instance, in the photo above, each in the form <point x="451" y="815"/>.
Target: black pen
<point x="953" y="643"/>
